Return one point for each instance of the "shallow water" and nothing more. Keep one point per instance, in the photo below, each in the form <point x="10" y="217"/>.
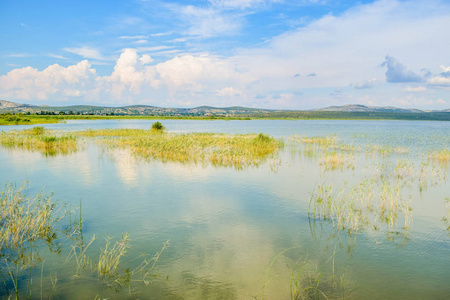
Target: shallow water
<point x="226" y="226"/>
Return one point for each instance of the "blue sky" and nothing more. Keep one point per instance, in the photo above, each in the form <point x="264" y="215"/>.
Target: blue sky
<point x="258" y="53"/>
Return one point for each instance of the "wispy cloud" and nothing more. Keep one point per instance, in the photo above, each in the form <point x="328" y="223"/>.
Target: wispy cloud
<point x="153" y="49"/>
<point x="56" y="56"/>
<point x="207" y="22"/>
<point x="161" y="33"/>
<point x="415" y="89"/>
<point x="367" y="84"/>
<point x="18" y="55"/>
<point x="86" y="52"/>
<point x="140" y="42"/>
<point x="134" y="37"/>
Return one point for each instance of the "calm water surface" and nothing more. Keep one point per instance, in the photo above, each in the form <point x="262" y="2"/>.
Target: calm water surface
<point x="227" y="227"/>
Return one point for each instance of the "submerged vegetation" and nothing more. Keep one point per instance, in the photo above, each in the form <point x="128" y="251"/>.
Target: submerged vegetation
<point x="28" y="224"/>
<point x="31" y="225"/>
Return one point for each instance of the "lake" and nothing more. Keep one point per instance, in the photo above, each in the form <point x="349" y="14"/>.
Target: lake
<point x="362" y="213"/>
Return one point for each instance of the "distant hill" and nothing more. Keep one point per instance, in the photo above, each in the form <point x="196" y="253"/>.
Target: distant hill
<point x="361" y="108"/>
<point x="350" y="111"/>
<point x="8" y="106"/>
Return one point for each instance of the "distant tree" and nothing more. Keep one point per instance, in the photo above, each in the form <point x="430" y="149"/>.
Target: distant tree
<point x="157" y="126"/>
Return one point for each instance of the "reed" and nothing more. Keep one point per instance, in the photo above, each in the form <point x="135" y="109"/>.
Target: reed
<point x="308" y="279"/>
<point x="27" y="225"/>
<point x="40" y="139"/>
<point x="238" y="150"/>
<point x="442" y="155"/>
<point x="365" y="205"/>
<point x="337" y="160"/>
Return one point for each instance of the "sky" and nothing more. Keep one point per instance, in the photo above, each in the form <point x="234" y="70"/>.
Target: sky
<point x="278" y="54"/>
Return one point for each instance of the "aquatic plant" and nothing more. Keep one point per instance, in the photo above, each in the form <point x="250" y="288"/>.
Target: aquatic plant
<point x="110" y="266"/>
<point x="238" y="150"/>
<point x="442" y="155"/>
<point x="365" y="205"/>
<point x="40" y="139"/>
<point x="334" y="160"/>
<point x="27" y="225"/>
<point x="307" y="278"/>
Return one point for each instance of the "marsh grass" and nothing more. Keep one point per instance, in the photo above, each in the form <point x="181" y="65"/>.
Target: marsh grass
<point x="28" y="225"/>
<point x="446" y="218"/>
<point x="111" y="267"/>
<point x="40" y="139"/>
<point x="238" y="150"/>
<point x="404" y="172"/>
<point x="337" y="160"/>
<point x="368" y="204"/>
<point x="442" y="156"/>
<point x="309" y="279"/>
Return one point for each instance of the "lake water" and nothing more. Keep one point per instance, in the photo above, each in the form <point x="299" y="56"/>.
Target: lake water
<point x="246" y="233"/>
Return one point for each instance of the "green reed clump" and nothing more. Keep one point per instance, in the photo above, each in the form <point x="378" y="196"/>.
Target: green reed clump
<point x="41" y="140"/>
<point x="37" y="130"/>
<point x="218" y="149"/>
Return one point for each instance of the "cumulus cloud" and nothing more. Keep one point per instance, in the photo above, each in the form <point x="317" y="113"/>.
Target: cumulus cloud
<point x="28" y="83"/>
<point x="443" y="79"/>
<point x="396" y="72"/>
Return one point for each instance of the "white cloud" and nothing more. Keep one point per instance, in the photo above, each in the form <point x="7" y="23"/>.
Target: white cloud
<point x="440" y="81"/>
<point x="208" y="22"/>
<point x="55" y="81"/>
<point x="228" y="91"/>
<point x="56" y="56"/>
<point x="140" y="42"/>
<point x="236" y="3"/>
<point x="134" y="37"/>
<point x="367" y="84"/>
<point x="86" y="52"/>
<point x="18" y="55"/>
<point x="415" y="89"/>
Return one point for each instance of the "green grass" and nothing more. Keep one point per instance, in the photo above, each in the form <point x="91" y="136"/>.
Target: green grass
<point x="19" y="119"/>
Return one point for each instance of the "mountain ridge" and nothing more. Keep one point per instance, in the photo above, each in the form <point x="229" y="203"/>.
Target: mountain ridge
<point x="13" y="107"/>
